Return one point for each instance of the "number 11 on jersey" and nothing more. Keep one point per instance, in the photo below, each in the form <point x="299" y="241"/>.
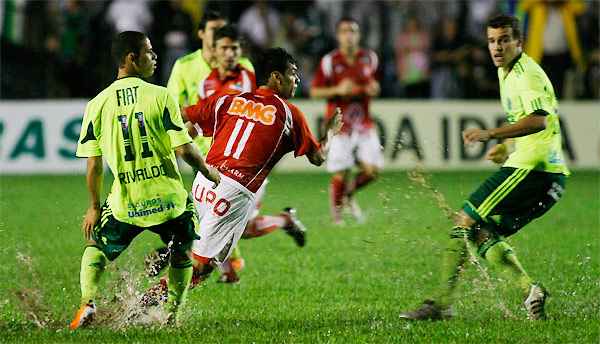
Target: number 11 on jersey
<point x="234" y="137"/>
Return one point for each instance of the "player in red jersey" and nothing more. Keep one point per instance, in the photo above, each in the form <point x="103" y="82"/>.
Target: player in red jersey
<point x="346" y="78"/>
<point x="251" y="133"/>
<point x="229" y="77"/>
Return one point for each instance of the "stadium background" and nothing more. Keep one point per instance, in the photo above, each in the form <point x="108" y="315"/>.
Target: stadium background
<point x="55" y="56"/>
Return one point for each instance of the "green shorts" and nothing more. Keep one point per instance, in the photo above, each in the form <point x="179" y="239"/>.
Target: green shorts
<point x="112" y="237"/>
<point x="517" y="196"/>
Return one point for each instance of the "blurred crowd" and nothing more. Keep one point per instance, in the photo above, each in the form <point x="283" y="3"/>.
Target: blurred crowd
<point x="427" y="49"/>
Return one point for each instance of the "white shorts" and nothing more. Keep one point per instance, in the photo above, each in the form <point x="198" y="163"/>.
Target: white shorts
<point x="346" y="150"/>
<point x="258" y="196"/>
<point x="223" y="213"/>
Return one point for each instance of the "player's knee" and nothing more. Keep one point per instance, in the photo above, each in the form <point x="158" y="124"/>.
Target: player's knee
<point x="485" y="236"/>
<point x="180" y="259"/>
<point x="462" y="219"/>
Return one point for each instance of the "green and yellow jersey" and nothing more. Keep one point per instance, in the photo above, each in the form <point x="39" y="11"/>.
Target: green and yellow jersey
<point x="523" y="90"/>
<point x="135" y="126"/>
<point x="184" y="82"/>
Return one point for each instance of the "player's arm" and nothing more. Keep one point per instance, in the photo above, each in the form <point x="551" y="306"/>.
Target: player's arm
<point x="94" y="185"/>
<point x="317" y="156"/>
<point x="192" y="157"/>
<point x="528" y="125"/>
<point x="344" y="88"/>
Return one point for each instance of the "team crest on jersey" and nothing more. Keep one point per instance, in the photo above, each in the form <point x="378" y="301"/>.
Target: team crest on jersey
<point x="260" y="112"/>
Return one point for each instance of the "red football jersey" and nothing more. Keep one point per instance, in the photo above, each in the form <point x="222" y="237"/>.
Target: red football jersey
<point x="332" y="70"/>
<point x="251" y="133"/>
<point x="238" y="80"/>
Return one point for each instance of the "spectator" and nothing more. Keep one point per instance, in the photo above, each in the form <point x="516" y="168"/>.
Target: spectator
<point x="552" y="37"/>
<point x="172" y="34"/>
<point x="129" y="15"/>
<point x="412" y="59"/>
<point x="260" y="23"/>
<point x="447" y="52"/>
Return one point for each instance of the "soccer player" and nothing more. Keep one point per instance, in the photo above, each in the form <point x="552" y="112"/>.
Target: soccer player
<point x="137" y="127"/>
<point x="530" y="181"/>
<point x="251" y="133"/>
<point x="346" y="78"/>
<point x="229" y="76"/>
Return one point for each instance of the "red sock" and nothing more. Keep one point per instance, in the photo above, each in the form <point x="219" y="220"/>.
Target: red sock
<point x="336" y="195"/>
<point x="262" y="225"/>
<point x="360" y="181"/>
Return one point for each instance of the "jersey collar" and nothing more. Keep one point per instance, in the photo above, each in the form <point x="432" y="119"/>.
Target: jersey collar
<point x="513" y="63"/>
<point x="264" y="91"/>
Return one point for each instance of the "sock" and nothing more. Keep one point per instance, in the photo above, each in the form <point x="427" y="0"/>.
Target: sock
<point x="502" y="256"/>
<point x="336" y="194"/>
<point x="180" y="276"/>
<point x="93" y="262"/>
<point x="454" y="258"/>
<point x="361" y="180"/>
<point x="262" y="225"/>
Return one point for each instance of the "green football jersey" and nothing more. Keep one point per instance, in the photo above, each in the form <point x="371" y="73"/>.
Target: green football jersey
<point x="525" y="89"/>
<point x="135" y="126"/>
<point x="185" y="79"/>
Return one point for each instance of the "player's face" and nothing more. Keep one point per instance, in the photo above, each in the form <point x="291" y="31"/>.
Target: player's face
<point x="348" y="35"/>
<point x="502" y="45"/>
<point x="145" y="62"/>
<point x="208" y="33"/>
<point x="228" y="52"/>
<point x="290" y="81"/>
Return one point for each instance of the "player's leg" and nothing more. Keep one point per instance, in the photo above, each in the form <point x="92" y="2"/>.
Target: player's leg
<point x="223" y="213"/>
<point x="109" y="239"/>
<point x="369" y="155"/>
<point x="475" y="211"/>
<point x="183" y="234"/>
<point x="340" y="160"/>
<point x="370" y="160"/>
<point x="532" y="198"/>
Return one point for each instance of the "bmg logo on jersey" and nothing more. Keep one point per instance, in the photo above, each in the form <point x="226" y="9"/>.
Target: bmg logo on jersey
<point x="243" y="107"/>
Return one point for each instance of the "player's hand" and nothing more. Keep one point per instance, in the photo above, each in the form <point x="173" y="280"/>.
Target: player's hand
<point x="373" y="88"/>
<point x="473" y="135"/>
<point x="337" y="122"/>
<point x="213" y="175"/>
<point x="345" y="87"/>
<point x="90" y="219"/>
<point x="497" y="154"/>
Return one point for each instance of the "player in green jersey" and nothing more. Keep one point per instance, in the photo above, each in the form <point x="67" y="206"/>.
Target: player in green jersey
<point x="530" y="181"/>
<point x="137" y="127"/>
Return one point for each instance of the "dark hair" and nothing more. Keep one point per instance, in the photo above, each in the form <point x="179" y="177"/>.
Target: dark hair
<point x="227" y="31"/>
<point x="126" y="42"/>
<point x="210" y="16"/>
<point x="504" y="20"/>
<point x="345" y="20"/>
<point x="271" y="60"/>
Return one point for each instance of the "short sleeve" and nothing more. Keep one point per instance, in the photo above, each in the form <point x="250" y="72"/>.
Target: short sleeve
<point x="320" y="79"/>
<point x="536" y="96"/>
<point x="175" y="85"/>
<point x="173" y="124"/>
<point x="204" y="112"/>
<point x="303" y="139"/>
<point x="88" y="144"/>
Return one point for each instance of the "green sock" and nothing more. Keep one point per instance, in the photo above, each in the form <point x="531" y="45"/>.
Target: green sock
<point x="180" y="276"/>
<point x="454" y="258"/>
<point x="93" y="262"/>
<point x="501" y="255"/>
